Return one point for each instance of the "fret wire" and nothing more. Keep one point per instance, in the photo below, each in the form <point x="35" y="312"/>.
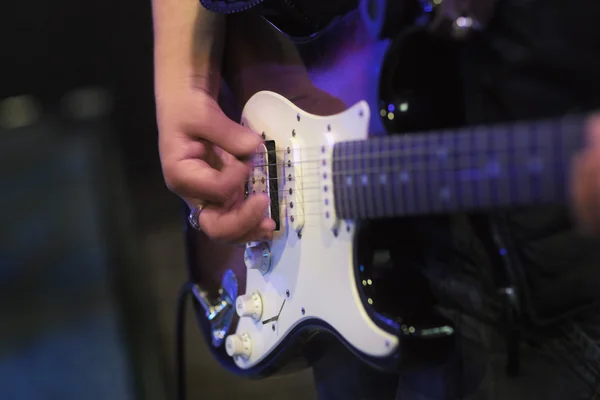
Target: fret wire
<point x="430" y="202"/>
<point x="370" y="186"/>
<point x="409" y="180"/>
<point x="351" y="183"/>
<point x="388" y="187"/>
<point x="446" y="195"/>
<point x="357" y="182"/>
<point x="483" y="146"/>
<point x="365" y="165"/>
<point x="453" y="178"/>
<point x="396" y="163"/>
<point x="377" y="199"/>
<point x="423" y="198"/>
<point x="537" y="182"/>
<point x="524" y="181"/>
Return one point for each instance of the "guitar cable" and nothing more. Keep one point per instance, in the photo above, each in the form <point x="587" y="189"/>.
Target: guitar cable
<point x="180" y="370"/>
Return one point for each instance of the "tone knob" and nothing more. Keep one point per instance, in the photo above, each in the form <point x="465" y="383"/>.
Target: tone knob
<point x="258" y="256"/>
<point x="249" y="305"/>
<point x="238" y="346"/>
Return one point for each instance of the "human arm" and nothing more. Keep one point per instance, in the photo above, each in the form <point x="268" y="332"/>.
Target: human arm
<point x="586" y="181"/>
<point x="202" y="151"/>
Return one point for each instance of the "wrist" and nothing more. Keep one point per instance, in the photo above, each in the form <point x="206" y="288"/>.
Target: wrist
<point x="188" y="46"/>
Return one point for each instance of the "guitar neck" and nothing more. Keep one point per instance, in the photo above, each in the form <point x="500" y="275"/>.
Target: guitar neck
<point x="461" y="170"/>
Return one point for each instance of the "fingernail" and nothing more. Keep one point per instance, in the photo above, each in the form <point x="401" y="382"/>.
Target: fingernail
<point x="268" y="225"/>
<point x="252" y="139"/>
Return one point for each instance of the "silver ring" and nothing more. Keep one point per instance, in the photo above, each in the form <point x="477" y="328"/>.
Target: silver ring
<point x="194" y="216"/>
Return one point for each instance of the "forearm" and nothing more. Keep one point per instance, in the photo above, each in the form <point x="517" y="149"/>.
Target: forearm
<point x="188" y="46"/>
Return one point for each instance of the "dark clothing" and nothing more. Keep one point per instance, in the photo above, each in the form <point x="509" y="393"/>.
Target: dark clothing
<point x="538" y="58"/>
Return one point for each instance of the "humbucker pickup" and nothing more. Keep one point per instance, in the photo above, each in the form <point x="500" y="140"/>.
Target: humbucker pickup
<point x="264" y="178"/>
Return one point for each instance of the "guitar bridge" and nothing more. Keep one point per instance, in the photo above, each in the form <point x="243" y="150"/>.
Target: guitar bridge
<point x="264" y="179"/>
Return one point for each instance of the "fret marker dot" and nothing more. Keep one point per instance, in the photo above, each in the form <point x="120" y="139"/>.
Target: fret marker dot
<point x="325" y="188"/>
<point x="349" y="181"/>
<point x="383" y="179"/>
<point x="364" y="179"/>
<point x="326" y="202"/>
<point x="445" y="193"/>
<point x="327" y="214"/>
<point x="404" y="177"/>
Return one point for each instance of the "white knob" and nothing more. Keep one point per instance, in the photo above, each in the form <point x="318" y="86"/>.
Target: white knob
<point x="238" y="346"/>
<point x="258" y="256"/>
<point x="249" y="305"/>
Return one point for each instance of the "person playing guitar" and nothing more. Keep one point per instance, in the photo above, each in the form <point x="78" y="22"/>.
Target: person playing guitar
<point x="203" y="57"/>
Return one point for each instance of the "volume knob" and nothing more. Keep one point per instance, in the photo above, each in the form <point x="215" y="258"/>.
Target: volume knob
<point x="258" y="256"/>
<point x="249" y="305"/>
<point x="238" y="346"/>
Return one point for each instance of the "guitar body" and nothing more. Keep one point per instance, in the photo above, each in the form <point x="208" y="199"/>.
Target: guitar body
<point x="325" y="275"/>
<point x="271" y="306"/>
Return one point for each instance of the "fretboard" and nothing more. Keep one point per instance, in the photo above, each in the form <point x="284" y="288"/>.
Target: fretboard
<point x="462" y="170"/>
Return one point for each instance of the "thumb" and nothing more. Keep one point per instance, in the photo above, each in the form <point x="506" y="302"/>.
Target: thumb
<point x="210" y="123"/>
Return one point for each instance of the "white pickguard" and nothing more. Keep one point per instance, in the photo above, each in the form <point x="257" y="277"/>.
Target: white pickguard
<point x="317" y="269"/>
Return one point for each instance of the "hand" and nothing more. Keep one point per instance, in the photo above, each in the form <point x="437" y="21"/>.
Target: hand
<point x="204" y="156"/>
<point x="586" y="181"/>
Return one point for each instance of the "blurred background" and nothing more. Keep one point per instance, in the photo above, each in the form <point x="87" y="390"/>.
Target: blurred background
<point x="91" y="243"/>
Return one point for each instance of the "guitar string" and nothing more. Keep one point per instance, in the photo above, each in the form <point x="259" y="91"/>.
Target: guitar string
<point x="564" y="125"/>
<point x="441" y="152"/>
<point x="412" y="169"/>
<point x="551" y="126"/>
<point x="446" y="158"/>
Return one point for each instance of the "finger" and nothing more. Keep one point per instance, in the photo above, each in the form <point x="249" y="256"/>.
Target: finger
<point x="263" y="232"/>
<point x="209" y="122"/>
<point x="233" y="225"/>
<point x="593" y="131"/>
<point x="586" y="191"/>
<point x="194" y="179"/>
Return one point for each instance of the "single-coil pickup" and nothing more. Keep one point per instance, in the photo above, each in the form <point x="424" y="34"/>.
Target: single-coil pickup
<point x="326" y="188"/>
<point x="293" y="194"/>
<point x="263" y="178"/>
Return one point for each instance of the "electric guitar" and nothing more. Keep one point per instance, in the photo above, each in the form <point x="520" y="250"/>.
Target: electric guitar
<point x="323" y="174"/>
<point x="327" y="179"/>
